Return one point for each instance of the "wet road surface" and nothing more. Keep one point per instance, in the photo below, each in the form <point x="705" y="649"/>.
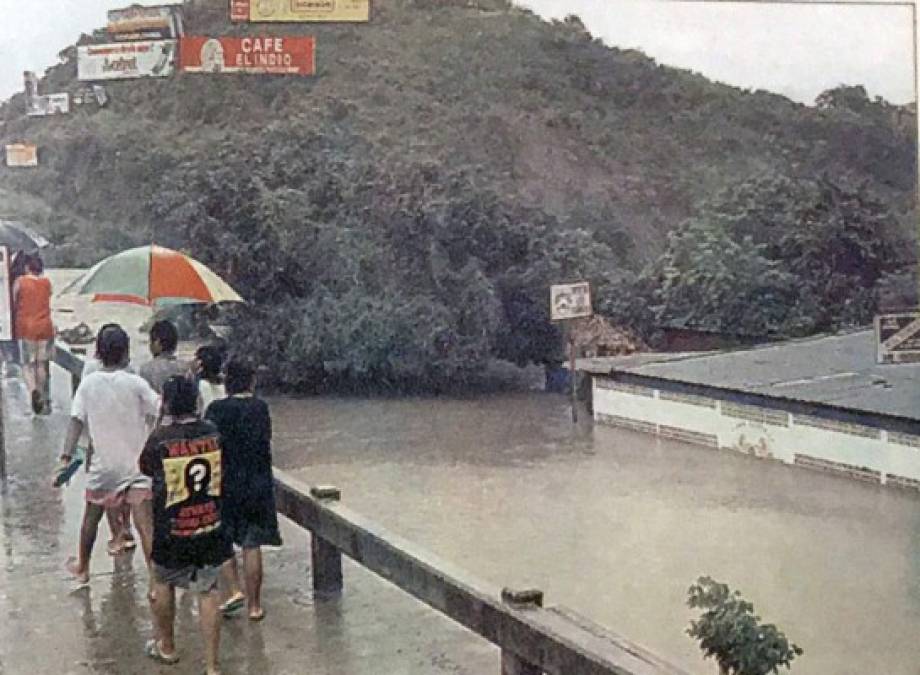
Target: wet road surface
<point x="617" y="525"/>
<point x="47" y="627"/>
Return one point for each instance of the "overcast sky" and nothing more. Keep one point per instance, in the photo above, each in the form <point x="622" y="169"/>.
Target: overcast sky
<point x="793" y="49"/>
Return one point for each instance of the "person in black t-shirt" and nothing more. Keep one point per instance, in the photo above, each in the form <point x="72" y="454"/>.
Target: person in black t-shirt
<point x="245" y="428"/>
<point x="190" y="544"/>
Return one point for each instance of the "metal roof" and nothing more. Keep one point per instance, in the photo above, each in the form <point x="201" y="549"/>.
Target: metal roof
<point x="839" y="370"/>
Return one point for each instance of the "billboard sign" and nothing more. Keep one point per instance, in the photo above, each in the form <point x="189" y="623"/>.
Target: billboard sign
<point x="126" y="60"/>
<point x="144" y="23"/>
<point x="50" y="104"/>
<point x="300" y="11"/>
<point x="19" y="155"/>
<point x="897" y="337"/>
<point x="570" y="301"/>
<point x="260" y="55"/>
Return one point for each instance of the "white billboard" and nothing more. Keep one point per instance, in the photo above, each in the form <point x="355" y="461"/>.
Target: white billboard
<point x="50" y="104"/>
<point x="570" y="301"/>
<point x="126" y="60"/>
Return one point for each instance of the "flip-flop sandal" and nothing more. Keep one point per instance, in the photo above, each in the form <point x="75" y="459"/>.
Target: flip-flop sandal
<point x="115" y="549"/>
<point x="130" y="544"/>
<point x="257" y="617"/>
<point x="233" y="605"/>
<point x="153" y="650"/>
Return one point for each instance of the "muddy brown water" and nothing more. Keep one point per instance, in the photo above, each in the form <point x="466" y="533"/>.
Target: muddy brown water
<point x="616" y="525"/>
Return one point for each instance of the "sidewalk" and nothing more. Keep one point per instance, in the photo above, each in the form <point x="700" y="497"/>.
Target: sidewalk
<point x="47" y="627"/>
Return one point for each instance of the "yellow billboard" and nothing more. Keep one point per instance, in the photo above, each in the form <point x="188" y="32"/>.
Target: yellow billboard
<point x="302" y="11"/>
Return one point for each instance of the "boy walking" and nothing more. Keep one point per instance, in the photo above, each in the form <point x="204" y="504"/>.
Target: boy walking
<point x="185" y="461"/>
<point x="245" y="427"/>
<point x="115" y="407"/>
<point x="164" y="338"/>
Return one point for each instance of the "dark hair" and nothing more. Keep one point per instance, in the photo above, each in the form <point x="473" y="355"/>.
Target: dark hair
<point x="35" y="264"/>
<point x="180" y="396"/>
<point x="211" y="360"/>
<point x="165" y="333"/>
<point x="112" y="344"/>
<point x="239" y="377"/>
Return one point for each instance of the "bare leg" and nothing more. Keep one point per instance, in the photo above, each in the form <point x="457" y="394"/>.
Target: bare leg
<point x="28" y="374"/>
<point x="42" y="380"/>
<point x="209" y="617"/>
<point x="117" y="528"/>
<point x="163" y="606"/>
<point x="252" y="566"/>
<point x="230" y="574"/>
<point x="91" y="517"/>
<point x="143" y="521"/>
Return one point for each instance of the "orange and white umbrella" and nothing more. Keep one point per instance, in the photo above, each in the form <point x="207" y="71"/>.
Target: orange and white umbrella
<point x="153" y="275"/>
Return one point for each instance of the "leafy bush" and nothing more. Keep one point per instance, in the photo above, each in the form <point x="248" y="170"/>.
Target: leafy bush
<point x="729" y="632"/>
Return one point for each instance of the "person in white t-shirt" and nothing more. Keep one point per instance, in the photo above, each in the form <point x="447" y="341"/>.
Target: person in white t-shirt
<point x="119" y="518"/>
<point x="116" y="408"/>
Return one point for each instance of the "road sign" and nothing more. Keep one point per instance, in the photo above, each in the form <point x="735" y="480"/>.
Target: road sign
<point x="898" y="337"/>
<point x="570" y="301"/>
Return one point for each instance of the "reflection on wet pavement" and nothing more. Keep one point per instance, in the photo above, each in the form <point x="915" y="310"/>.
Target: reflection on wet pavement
<point x="47" y="627"/>
<point x="617" y="524"/>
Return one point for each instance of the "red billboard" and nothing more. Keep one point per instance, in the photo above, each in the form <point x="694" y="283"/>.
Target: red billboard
<point x="273" y="55"/>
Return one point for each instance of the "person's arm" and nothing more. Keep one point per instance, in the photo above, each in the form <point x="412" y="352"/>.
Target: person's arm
<point x="74" y="431"/>
<point x="147" y="463"/>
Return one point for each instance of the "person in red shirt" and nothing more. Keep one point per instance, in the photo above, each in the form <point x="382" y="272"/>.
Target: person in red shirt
<point x="32" y="298"/>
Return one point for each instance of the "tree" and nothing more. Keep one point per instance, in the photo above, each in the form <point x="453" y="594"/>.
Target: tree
<point x="777" y="255"/>
<point x="729" y="632"/>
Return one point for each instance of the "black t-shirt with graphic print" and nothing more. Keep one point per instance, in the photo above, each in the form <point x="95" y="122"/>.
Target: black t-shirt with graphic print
<point x="185" y="462"/>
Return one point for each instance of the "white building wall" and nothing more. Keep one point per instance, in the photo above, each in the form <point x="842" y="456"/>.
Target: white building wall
<point x="859" y="451"/>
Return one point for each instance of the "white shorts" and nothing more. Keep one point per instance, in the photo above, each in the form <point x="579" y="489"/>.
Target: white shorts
<point x="32" y="351"/>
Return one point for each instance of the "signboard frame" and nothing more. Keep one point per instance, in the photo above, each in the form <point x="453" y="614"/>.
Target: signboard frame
<point x="144" y="22"/>
<point x="49" y="104"/>
<point x="257" y="55"/>
<point x="897" y="337"/>
<point x="300" y="11"/>
<point x="126" y="60"/>
<point x="21" y="155"/>
<point x="580" y="292"/>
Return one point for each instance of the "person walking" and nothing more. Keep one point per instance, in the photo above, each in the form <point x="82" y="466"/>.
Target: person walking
<point x="119" y="518"/>
<point x="208" y="361"/>
<point x="116" y="407"/>
<point x="184" y="459"/>
<point x="164" y="338"/>
<point x="32" y="299"/>
<point x="245" y="427"/>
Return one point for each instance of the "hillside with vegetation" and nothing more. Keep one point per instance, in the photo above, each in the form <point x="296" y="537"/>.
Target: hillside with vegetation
<point x="397" y="219"/>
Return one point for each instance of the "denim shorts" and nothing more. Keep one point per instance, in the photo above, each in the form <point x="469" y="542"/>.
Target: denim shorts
<point x="191" y="577"/>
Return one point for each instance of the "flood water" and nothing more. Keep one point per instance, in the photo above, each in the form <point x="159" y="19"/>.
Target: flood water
<point x="616" y="525"/>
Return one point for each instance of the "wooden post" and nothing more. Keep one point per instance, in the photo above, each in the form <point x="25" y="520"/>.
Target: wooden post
<point x="326" y="558"/>
<point x="512" y="664"/>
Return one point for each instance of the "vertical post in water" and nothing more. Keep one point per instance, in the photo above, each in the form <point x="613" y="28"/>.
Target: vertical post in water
<point x="326" y="558"/>
<point x="512" y="664"/>
<point x="573" y="374"/>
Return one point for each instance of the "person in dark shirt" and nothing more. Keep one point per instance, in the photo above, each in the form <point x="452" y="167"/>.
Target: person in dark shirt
<point x="245" y="428"/>
<point x="185" y="460"/>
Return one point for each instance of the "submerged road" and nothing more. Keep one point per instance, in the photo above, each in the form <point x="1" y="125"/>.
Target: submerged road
<point x="617" y="525"/>
<point x="47" y="627"/>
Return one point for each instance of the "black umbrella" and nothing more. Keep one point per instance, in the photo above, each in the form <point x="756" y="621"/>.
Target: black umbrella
<point x="18" y="237"/>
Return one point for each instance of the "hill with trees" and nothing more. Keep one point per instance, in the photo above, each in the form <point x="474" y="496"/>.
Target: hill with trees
<point x="397" y="219"/>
